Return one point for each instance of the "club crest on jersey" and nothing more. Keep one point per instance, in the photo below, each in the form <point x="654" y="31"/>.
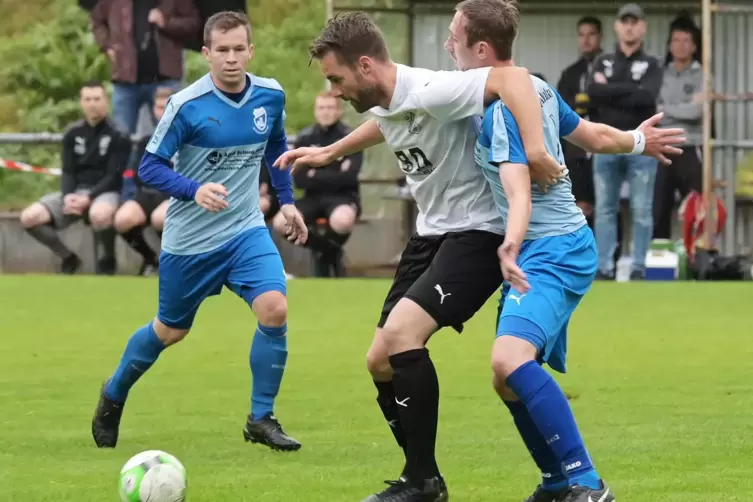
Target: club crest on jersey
<point x="104" y="144"/>
<point x="260" y="120"/>
<point x="413" y="128"/>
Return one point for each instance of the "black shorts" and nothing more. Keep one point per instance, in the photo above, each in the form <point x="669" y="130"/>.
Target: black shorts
<point x="149" y="200"/>
<point x="582" y="178"/>
<point x="322" y="206"/>
<point x="449" y="276"/>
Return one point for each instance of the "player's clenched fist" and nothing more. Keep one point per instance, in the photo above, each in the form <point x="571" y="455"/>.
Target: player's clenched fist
<point x="211" y="196"/>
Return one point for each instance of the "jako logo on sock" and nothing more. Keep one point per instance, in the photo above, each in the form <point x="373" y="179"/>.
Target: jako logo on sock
<point x="572" y="466"/>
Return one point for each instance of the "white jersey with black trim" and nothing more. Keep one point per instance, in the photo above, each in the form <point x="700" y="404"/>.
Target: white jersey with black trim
<point x="431" y="126"/>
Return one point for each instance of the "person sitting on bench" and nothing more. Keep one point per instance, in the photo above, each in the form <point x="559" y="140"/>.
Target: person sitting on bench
<point x="331" y="193"/>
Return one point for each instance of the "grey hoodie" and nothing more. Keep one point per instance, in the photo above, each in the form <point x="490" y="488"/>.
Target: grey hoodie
<point x="675" y="99"/>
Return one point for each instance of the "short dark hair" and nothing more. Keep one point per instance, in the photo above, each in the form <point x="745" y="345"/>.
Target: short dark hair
<point x="225" y="21"/>
<point x="91" y="84"/>
<point x="593" y="21"/>
<point x="492" y="21"/>
<point x="350" y="36"/>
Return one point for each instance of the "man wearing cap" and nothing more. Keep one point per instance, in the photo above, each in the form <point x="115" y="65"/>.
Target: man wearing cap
<point x="623" y="91"/>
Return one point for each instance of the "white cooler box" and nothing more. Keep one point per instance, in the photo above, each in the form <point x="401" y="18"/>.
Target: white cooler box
<point x="662" y="265"/>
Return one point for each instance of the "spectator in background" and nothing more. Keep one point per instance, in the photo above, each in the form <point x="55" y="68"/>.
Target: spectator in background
<point x="572" y="86"/>
<point x="331" y="192"/>
<point x="681" y="100"/>
<point x="148" y="205"/>
<point x="94" y="153"/>
<point x="623" y="92"/>
<point x="144" y="41"/>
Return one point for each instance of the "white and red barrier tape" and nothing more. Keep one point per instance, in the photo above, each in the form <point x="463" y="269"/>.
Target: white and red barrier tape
<point x="20" y="166"/>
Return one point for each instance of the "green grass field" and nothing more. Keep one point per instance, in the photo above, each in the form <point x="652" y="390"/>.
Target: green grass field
<point x="660" y="376"/>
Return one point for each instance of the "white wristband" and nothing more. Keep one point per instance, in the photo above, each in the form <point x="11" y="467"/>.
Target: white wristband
<point x="639" y="142"/>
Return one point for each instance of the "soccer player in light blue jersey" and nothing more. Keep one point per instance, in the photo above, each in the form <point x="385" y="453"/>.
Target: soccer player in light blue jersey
<point x="548" y="257"/>
<point x="221" y="127"/>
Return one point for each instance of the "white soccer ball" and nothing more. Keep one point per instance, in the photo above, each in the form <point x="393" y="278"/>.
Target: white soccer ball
<point x="153" y="476"/>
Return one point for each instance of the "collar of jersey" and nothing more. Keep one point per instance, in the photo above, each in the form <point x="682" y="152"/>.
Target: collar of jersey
<point x="227" y="100"/>
<point x="398" y="95"/>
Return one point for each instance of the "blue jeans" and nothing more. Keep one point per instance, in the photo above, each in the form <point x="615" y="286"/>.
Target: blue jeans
<point x="609" y="173"/>
<point x="127" y="100"/>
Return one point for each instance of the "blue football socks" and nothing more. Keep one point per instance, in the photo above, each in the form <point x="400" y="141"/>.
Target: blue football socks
<point x="549" y="410"/>
<point x="269" y="352"/>
<point x="140" y="353"/>
<point x="552" y="478"/>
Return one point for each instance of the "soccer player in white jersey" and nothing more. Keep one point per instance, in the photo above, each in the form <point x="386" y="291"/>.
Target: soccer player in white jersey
<point x="222" y="126"/>
<point x="549" y="257"/>
<point x="450" y="268"/>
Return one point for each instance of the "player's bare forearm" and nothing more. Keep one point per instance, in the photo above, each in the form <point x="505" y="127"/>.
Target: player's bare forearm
<point x="364" y="136"/>
<point x="516" y="182"/>
<point x="601" y="138"/>
<point x="512" y="84"/>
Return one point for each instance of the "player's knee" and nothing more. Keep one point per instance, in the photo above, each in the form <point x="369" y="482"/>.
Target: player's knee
<point x="509" y="354"/>
<point x="101" y="216"/>
<point x="399" y="338"/>
<point x="503" y="391"/>
<point x="408" y="327"/>
<point x="34" y="215"/>
<point x="377" y="360"/>
<point x="342" y="219"/>
<point x="378" y="365"/>
<point x="168" y="335"/>
<point x="271" y="308"/>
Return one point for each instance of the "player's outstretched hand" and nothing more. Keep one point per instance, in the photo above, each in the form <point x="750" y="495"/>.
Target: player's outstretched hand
<point x="659" y="141"/>
<point x="304" y="157"/>
<point x="211" y="196"/>
<point x="295" y="227"/>
<point x="545" y="170"/>
<point x="512" y="273"/>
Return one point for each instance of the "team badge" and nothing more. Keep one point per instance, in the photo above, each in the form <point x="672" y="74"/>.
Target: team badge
<point x="260" y="120"/>
<point x="413" y="128"/>
<point x="104" y="144"/>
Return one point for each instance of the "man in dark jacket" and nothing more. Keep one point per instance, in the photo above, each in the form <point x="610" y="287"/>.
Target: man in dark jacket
<point x="572" y="87"/>
<point x="94" y="153"/>
<point x="331" y="192"/>
<point x="144" y="41"/>
<point x="623" y="92"/>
